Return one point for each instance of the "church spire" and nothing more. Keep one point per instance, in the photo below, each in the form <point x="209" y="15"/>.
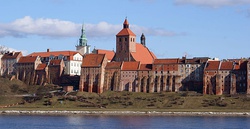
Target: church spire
<point x="143" y="40"/>
<point x="126" y="24"/>
<point x="83" y="39"/>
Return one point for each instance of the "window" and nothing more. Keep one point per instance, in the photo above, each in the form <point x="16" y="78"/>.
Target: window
<point x="125" y="39"/>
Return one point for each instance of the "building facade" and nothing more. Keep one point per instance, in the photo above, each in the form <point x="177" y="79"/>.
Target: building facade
<point x="92" y="73"/>
<point x="8" y="62"/>
<point x="72" y="60"/>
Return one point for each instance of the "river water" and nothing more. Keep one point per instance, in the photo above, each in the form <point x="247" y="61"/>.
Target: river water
<point x="122" y="122"/>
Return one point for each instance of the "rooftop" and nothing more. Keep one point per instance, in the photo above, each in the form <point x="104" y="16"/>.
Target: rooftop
<point x="130" y="66"/>
<point x="93" y="60"/>
<point x="27" y="59"/>
<point x="143" y="54"/>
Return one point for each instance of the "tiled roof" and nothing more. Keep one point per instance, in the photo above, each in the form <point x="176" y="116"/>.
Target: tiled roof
<point x="130" y="66"/>
<point x="55" y="62"/>
<point x="27" y="59"/>
<point x="125" y="32"/>
<point x="212" y="65"/>
<point x="55" y="53"/>
<point x="11" y="55"/>
<point x="93" y="60"/>
<point x="113" y="65"/>
<point x="240" y="65"/>
<point x="145" y="67"/>
<point x="41" y="66"/>
<point x="143" y="54"/>
<point x="125" y="21"/>
<point x="167" y="61"/>
<point x="109" y="54"/>
<point x="226" y="65"/>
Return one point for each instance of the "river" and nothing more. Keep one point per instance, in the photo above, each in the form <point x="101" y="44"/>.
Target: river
<point x="122" y="122"/>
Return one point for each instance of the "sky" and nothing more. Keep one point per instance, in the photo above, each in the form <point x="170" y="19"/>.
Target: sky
<point x="173" y="28"/>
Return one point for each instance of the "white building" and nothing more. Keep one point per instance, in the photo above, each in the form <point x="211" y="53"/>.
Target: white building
<point x="72" y="60"/>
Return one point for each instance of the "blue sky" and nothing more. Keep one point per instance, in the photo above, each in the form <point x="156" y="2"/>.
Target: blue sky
<point x="173" y="28"/>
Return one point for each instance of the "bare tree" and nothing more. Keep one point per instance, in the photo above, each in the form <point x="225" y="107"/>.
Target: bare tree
<point x="3" y="49"/>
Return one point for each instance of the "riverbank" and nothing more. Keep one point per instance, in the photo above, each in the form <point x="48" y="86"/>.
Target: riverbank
<point x="153" y="113"/>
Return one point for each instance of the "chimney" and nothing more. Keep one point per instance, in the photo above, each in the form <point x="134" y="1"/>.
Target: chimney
<point x="48" y="50"/>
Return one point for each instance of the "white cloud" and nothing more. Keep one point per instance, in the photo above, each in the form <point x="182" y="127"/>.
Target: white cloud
<point x="58" y="28"/>
<point x="213" y="3"/>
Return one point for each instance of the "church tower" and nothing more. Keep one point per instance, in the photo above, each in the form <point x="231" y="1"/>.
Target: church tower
<point x="83" y="48"/>
<point x="125" y="43"/>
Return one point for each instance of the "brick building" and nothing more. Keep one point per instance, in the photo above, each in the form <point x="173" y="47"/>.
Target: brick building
<point x="26" y="69"/>
<point x="8" y="62"/>
<point x="92" y="73"/>
<point x="144" y="73"/>
<point x="128" y="50"/>
<point x="167" y="75"/>
<point x="55" y="71"/>
<point x="192" y="73"/>
<point x="219" y="78"/>
<point x="42" y="74"/>
<point x="128" y="81"/>
<point x="112" y="76"/>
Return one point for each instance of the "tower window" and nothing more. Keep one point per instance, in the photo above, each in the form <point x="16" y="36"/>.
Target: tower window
<point x="120" y="39"/>
<point x="125" y="39"/>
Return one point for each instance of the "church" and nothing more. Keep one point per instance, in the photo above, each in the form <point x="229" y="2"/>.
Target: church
<point x="128" y="50"/>
<point x="111" y="73"/>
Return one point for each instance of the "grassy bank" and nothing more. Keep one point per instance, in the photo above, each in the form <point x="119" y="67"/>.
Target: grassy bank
<point x="12" y="91"/>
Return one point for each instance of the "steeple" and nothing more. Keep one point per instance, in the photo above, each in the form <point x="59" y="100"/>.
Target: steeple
<point x="143" y="40"/>
<point x="83" y="47"/>
<point x="126" y="24"/>
<point x="83" y="39"/>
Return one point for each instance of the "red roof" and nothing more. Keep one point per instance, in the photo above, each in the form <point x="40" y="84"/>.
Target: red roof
<point x="125" y="21"/>
<point x="145" y="67"/>
<point x="109" y="54"/>
<point x="143" y="54"/>
<point x="130" y="66"/>
<point x="113" y="65"/>
<point x="55" y="62"/>
<point x="41" y="66"/>
<point x="93" y="60"/>
<point x="212" y="65"/>
<point x="167" y="61"/>
<point x="11" y="55"/>
<point x="27" y="59"/>
<point x="55" y="53"/>
<point x="227" y="66"/>
<point x="125" y="32"/>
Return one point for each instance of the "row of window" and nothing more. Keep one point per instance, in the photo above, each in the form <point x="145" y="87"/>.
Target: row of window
<point x="126" y="39"/>
<point x="76" y="64"/>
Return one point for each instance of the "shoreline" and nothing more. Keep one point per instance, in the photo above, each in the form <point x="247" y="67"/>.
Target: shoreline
<point x="123" y="113"/>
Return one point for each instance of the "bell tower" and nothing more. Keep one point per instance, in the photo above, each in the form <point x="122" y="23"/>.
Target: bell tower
<point x="82" y="47"/>
<point x="125" y="43"/>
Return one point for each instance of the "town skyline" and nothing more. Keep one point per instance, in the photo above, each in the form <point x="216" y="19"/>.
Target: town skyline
<point x="172" y="28"/>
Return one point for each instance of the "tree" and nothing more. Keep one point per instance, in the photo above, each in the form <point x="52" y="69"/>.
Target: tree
<point x="3" y="49"/>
